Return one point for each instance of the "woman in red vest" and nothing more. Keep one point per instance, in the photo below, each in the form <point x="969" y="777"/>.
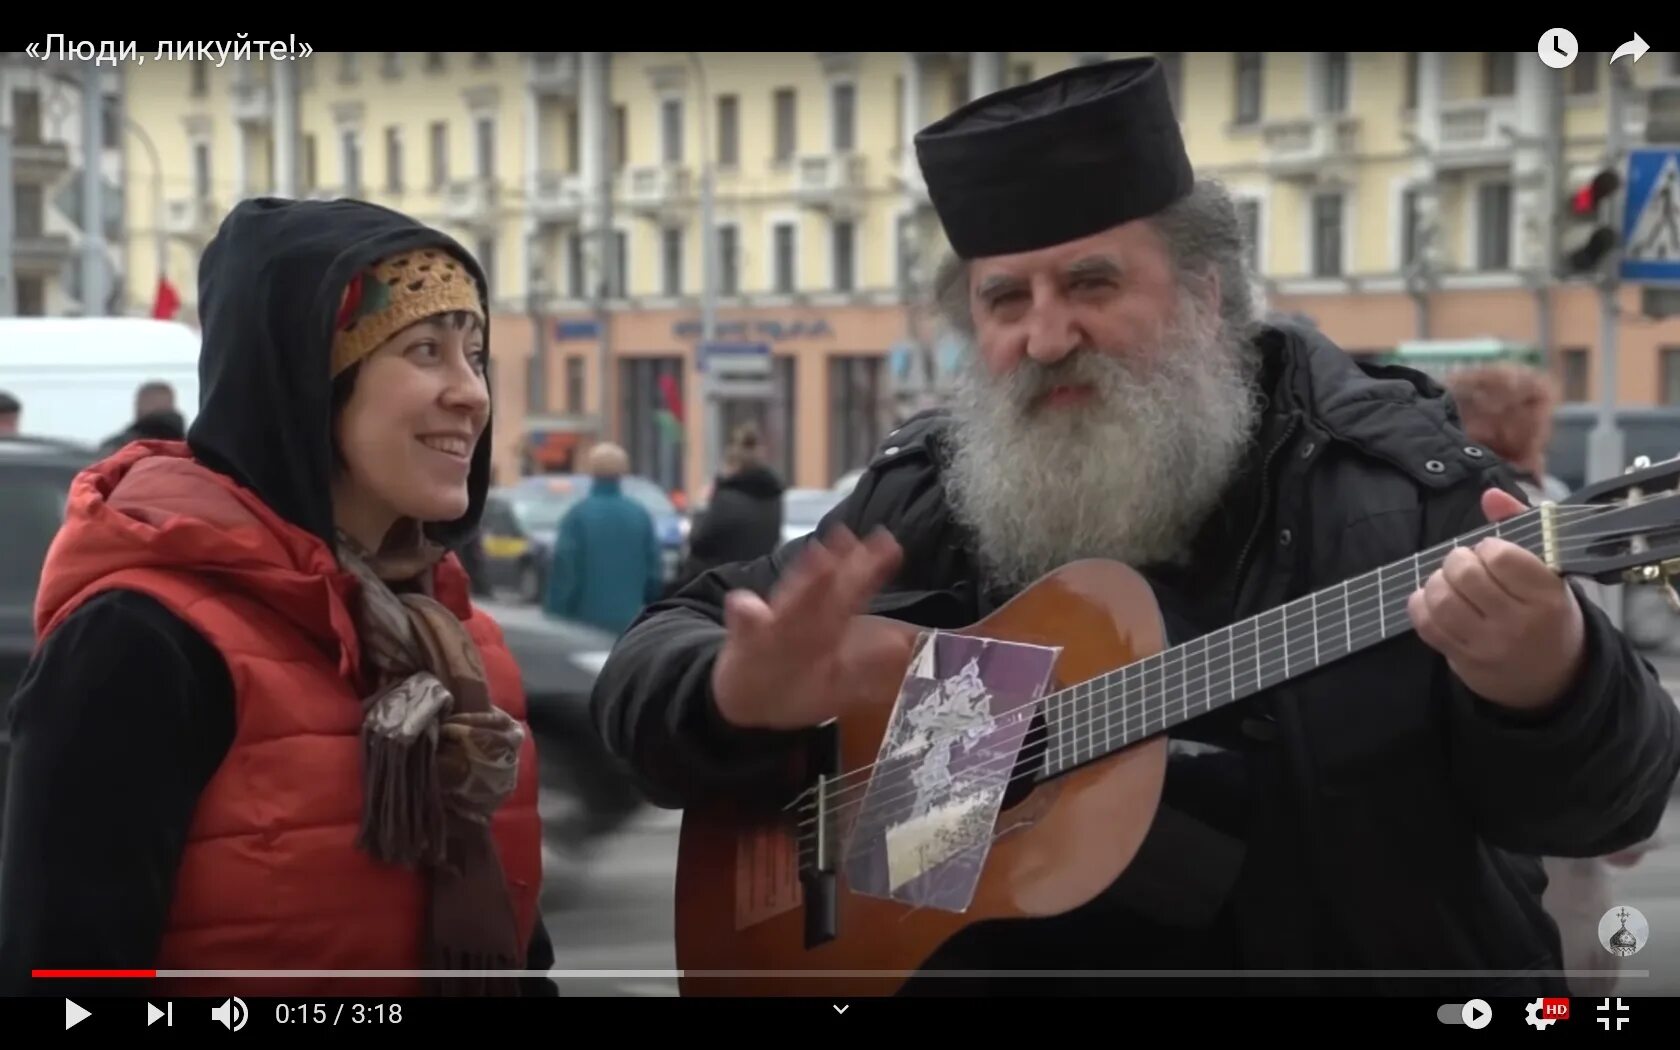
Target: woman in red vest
<point x="265" y="728"/>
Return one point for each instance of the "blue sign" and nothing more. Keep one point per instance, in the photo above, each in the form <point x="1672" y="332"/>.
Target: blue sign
<point x="577" y="330"/>
<point x="756" y="353"/>
<point x="770" y="331"/>
<point x="1651" y="219"/>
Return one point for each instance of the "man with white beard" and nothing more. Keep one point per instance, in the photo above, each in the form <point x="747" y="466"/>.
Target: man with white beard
<point x="1360" y="826"/>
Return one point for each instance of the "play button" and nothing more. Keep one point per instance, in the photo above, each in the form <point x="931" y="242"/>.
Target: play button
<point x="74" y="1015"/>
<point x="1477" y="1013"/>
<point x="153" y="1015"/>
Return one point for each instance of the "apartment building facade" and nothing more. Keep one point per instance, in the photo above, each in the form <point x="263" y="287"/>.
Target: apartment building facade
<point x="1389" y="197"/>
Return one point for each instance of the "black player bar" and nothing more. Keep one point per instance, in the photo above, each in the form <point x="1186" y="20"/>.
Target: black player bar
<point x="135" y="1015"/>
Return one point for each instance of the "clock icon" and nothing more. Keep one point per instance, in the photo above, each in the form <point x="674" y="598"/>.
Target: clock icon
<point x="1558" y="48"/>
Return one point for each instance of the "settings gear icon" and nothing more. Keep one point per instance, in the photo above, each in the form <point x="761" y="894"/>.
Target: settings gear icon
<point x="1534" y="1018"/>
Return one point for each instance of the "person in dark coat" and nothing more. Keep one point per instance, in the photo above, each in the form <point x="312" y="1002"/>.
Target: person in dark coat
<point x="743" y="518"/>
<point x="155" y="419"/>
<point x="1375" y="819"/>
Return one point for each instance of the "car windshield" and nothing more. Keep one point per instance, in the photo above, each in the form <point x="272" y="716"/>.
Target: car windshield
<point x="539" y="513"/>
<point x="31" y="511"/>
<point x="650" y="496"/>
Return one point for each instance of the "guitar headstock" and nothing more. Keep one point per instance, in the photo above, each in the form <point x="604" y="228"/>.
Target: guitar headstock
<point x="1624" y="529"/>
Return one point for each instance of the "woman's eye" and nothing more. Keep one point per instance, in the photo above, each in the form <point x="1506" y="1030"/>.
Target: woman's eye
<point x="426" y="349"/>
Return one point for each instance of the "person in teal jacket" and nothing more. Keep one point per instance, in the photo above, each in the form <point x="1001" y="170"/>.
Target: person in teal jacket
<point x="606" y="557"/>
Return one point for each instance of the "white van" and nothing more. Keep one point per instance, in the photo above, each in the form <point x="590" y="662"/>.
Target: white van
<point x="76" y="376"/>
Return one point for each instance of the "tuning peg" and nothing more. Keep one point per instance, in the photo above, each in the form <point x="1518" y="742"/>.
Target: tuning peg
<point x="1640" y="463"/>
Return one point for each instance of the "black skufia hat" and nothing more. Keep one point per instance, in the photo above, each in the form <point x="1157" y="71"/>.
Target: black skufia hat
<point x="1063" y="157"/>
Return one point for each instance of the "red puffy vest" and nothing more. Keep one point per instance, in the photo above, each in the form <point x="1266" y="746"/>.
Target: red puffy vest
<point x="271" y="877"/>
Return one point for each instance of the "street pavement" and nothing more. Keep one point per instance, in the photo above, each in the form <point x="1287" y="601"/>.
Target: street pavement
<point x="610" y="912"/>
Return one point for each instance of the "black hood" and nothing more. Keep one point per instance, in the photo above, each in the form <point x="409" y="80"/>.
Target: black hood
<point x="268" y="292"/>
<point x="757" y="482"/>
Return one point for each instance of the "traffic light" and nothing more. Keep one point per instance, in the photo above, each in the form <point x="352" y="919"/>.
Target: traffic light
<point x="1591" y="232"/>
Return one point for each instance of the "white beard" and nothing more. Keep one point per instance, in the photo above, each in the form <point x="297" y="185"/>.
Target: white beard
<point x="1129" y="475"/>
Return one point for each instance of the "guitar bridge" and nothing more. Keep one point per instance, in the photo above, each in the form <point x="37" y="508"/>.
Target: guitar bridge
<point x="817" y="866"/>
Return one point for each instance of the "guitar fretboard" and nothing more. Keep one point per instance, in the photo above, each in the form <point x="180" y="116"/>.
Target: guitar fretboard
<point x="1099" y="716"/>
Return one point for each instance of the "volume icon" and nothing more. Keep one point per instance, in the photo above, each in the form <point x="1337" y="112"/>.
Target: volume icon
<point x="231" y="1013"/>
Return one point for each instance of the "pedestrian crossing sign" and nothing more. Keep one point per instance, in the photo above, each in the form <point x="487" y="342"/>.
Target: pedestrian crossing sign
<point x="1651" y="220"/>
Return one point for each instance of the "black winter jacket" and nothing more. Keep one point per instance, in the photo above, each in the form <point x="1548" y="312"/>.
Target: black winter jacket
<point x="1371" y="816"/>
<point x="742" y="521"/>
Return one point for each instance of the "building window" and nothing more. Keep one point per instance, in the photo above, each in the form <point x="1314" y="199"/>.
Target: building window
<point x="1413" y="58"/>
<point x="1493" y="226"/>
<point x="201" y="170"/>
<point x="1572" y="363"/>
<point x="200" y="78"/>
<point x="1499" y="73"/>
<point x="1248" y="218"/>
<point x="393" y="160"/>
<point x="26" y="117"/>
<point x="787" y="126"/>
<point x="311" y="166"/>
<point x="843" y="116"/>
<point x="574" y="385"/>
<point x="620" y="286"/>
<point x="486" y="252"/>
<point x="844" y="258"/>
<point x="1250" y="65"/>
<point x="671" y="130"/>
<point x="673" y="256"/>
<point x="1333" y="86"/>
<point x="856" y="394"/>
<point x="391" y="64"/>
<point x="620" y="139"/>
<point x="1327" y="235"/>
<point x="773" y="417"/>
<point x="349" y="66"/>
<point x="575" y="266"/>
<point x="1669" y="363"/>
<point x="434" y="62"/>
<point x="1172" y="66"/>
<point x="110" y="118"/>
<point x="351" y="150"/>
<point x="574" y="143"/>
<point x="440" y="154"/>
<point x="1408" y="227"/>
<point x="484" y="59"/>
<point x="486" y="129"/>
<point x="655" y="447"/>
<point x="899" y="104"/>
<point x="1582" y="78"/>
<point x="31" y="296"/>
<point x="1022" y="73"/>
<point x="729" y="131"/>
<point x="783" y="280"/>
<point x="728" y="260"/>
<point x="29" y="210"/>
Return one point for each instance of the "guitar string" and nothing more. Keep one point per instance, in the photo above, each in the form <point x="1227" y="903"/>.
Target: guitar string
<point x="1054" y="702"/>
<point x="1239" y="652"/>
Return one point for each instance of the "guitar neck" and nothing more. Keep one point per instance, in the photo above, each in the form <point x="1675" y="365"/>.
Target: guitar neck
<point x="1150" y="696"/>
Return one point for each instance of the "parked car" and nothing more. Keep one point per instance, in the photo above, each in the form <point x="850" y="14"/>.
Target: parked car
<point x="803" y="510"/>
<point x="540" y="501"/>
<point x="35" y="476"/>
<point x="558" y="660"/>
<point x="515" y="542"/>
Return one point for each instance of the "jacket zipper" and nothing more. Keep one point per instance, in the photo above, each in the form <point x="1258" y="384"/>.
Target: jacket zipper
<point x="1265" y="505"/>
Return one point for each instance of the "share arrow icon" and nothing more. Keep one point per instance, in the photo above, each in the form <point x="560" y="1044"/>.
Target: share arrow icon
<point x="1635" y="47"/>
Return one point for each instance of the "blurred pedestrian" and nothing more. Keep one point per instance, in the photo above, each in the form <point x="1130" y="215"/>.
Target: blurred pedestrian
<point x="11" y="410"/>
<point x="1509" y="409"/>
<point x="607" y="564"/>
<point x="155" y="418"/>
<point x="743" y="518"/>
<point x="265" y="727"/>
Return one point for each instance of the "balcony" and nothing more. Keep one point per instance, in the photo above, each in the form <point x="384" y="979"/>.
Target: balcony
<point x="39" y="162"/>
<point x="554" y="73"/>
<point x="193" y="218"/>
<point x="559" y="197"/>
<point x="1309" y="146"/>
<point x="471" y="202"/>
<point x="662" y="191"/>
<point x="253" y="101"/>
<point x="41" y="253"/>
<point x="1473" y="133"/>
<point x="832" y="183"/>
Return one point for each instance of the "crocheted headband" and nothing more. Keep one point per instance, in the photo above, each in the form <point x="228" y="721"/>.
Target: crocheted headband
<point x="395" y="293"/>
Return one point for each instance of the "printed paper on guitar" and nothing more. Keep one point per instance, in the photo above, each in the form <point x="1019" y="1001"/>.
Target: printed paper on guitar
<point x="962" y="713"/>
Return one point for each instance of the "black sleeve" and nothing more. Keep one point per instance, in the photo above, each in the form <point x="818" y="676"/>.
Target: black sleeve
<point x="1590" y="775"/>
<point x="120" y="719"/>
<point x="653" y="703"/>
<point x="539" y="957"/>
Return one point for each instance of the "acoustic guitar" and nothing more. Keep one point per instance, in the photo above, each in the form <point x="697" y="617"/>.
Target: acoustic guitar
<point x="969" y="786"/>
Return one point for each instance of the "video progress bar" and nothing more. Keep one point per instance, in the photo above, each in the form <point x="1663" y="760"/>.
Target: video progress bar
<point x="798" y="974"/>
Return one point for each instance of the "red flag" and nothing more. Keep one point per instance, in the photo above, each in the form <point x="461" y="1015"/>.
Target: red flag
<point x="673" y="401"/>
<point x="167" y="302"/>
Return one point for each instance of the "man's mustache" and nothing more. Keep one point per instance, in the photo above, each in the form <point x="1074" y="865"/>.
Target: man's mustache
<point x="1032" y="380"/>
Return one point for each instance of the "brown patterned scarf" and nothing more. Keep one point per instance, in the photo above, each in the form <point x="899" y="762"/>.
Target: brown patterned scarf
<point x="440" y="758"/>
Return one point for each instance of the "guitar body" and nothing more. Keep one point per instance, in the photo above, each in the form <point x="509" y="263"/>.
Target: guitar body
<point x="1054" y="848"/>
